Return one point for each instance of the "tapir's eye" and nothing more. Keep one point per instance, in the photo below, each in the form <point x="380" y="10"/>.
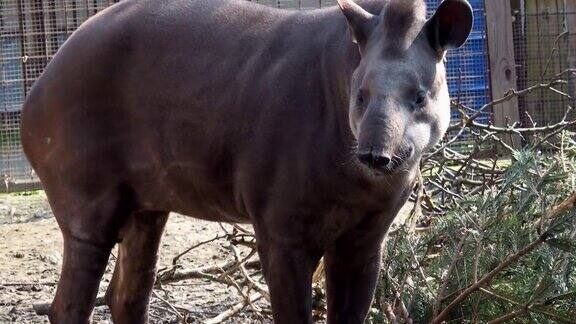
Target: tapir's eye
<point x="421" y="99"/>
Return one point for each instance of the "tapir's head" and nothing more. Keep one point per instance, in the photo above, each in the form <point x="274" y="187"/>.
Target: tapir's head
<point x="399" y="105"/>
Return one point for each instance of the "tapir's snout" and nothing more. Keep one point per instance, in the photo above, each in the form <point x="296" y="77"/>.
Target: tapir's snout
<point x="385" y="163"/>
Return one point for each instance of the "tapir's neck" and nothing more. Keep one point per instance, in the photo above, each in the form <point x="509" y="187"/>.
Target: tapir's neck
<point x="340" y="58"/>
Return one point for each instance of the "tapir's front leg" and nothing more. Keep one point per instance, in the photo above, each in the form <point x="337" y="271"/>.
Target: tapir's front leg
<point x="352" y="266"/>
<point x="288" y="271"/>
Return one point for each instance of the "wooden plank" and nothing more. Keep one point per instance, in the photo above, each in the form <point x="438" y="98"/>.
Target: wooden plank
<point x="547" y="52"/>
<point x="502" y="64"/>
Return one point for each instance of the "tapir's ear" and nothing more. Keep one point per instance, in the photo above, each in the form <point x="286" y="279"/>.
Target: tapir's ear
<point x="360" y="21"/>
<point x="450" y="26"/>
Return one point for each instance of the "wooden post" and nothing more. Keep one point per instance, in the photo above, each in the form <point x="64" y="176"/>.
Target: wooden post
<point x="502" y="64"/>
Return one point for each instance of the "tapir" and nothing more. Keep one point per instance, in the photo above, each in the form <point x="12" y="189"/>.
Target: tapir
<point x="309" y="125"/>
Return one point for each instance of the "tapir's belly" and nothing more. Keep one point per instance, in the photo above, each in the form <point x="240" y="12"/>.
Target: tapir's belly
<point x="208" y="201"/>
<point x="187" y="178"/>
<point x="175" y="170"/>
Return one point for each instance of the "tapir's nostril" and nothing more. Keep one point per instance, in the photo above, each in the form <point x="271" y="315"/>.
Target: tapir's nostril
<point x="365" y="158"/>
<point x="374" y="160"/>
<point x="381" y="161"/>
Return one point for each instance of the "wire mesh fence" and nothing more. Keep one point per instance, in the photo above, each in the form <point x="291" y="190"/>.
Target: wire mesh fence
<point x="31" y="31"/>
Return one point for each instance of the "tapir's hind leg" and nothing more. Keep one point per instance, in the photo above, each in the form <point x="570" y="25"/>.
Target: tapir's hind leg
<point x="129" y="291"/>
<point x="90" y="230"/>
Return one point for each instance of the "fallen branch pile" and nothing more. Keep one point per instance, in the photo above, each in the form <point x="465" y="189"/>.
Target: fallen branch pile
<point x="476" y="154"/>
<point x="243" y="272"/>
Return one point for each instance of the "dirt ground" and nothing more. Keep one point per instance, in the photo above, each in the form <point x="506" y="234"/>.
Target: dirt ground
<point x="31" y="257"/>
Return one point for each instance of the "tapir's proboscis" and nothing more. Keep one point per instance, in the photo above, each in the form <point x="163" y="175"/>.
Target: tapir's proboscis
<point x="309" y="125"/>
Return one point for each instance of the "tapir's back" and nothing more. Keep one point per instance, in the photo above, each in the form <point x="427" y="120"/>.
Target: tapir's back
<point x="168" y="94"/>
<point x="136" y="52"/>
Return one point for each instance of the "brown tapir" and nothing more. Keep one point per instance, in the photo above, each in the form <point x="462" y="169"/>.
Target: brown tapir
<point x="308" y="125"/>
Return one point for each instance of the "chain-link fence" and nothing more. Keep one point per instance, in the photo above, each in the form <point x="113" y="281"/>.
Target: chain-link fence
<point x="31" y="31"/>
<point x="468" y="69"/>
